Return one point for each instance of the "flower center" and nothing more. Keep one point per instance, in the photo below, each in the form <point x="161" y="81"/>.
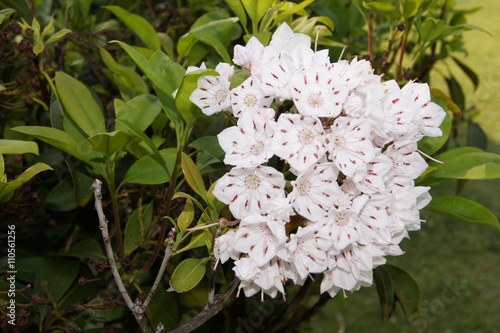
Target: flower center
<point x="252" y="182"/>
<point x="257" y="148"/>
<point x="306" y="137"/>
<point x="315" y="100"/>
<point x="339" y="142"/>
<point x="250" y="100"/>
<point x="304" y="188"/>
<point x="341" y="219"/>
<point x="220" y="95"/>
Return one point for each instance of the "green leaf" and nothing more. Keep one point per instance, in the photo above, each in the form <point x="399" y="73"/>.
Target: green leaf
<point x="79" y="104"/>
<point x="108" y="143"/>
<point x="87" y="248"/>
<point x="52" y="136"/>
<point x="57" y="275"/>
<point x="188" y="274"/>
<point x="385" y="292"/>
<point x="140" y="111"/>
<point x="7" y="189"/>
<point x="61" y="198"/>
<point x="160" y="310"/>
<point x="431" y="29"/>
<point x="128" y="81"/>
<point x="476" y="136"/>
<point x="187" y="216"/>
<point x="203" y="238"/>
<point x="209" y="144"/>
<point x="406" y="289"/>
<point x="256" y="9"/>
<point x="81" y="186"/>
<point x="379" y="5"/>
<point x="239" y="10"/>
<point x="58" y="35"/>
<point x="18" y="147"/>
<point x="463" y="209"/>
<point x="142" y="28"/>
<point x="5" y="14"/>
<point x="147" y="170"/>
<point x="456" y="92"/>
<point x="137" y="226"/>
<point x="193" y="176"/>
<point x="468" y="71"/>
<point x="467" y="164"/>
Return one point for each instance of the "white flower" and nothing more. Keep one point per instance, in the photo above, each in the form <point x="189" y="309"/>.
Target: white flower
<point x="250" y="190"/>
<point x="248" y="97"/>
<point x="315" y="191"/>
<point x="299" y="140"/>
<point x="318" y="92"/>
<point x="223" y="246"/>
<point x="259" y="237"/>
<point x="249" y="56"/>
<point x="212" y="94"/>
<point x="350" y="146"/>
<point x="248" y="144"/>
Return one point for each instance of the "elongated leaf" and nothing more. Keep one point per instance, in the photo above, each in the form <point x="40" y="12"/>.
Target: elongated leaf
<point x="468" y="71"/>
<point x="385" y="292"/>
<point x="406" y="289"/>
<point x="188" y="274"/>
<point x="193" y="176"/>
<point x="147" y="170"/>
<point x="431" y="29"/>
<point x="87" y="248"/>
<point x="142" y="28"/>
<point x="379" y="5"/>
<point x="7" y="189"/>
<point x="57" y="275"/>
<point x="209" y="144"/>
<point x="160" y="310"/>
<point x="62" y="197"/>
<point x="463" y="209"/>
<point x="473" y="164"/>
<point x="18" y="147"/>
<point x="256" y="9"/>
<point x="52" y="136"/>
<point x="199" y="239"/>
<point x="186" y="217"/>
<point x="456" y="92"/>
<point x="79" y="104"/>
<point x="140" y="111"/>
<point x="137" y="226"/>
<point x="239" y="10"/>
<point x="108" y="143"/>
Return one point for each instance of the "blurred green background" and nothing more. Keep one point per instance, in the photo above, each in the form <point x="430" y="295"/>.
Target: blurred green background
<point x="456" y="264"/>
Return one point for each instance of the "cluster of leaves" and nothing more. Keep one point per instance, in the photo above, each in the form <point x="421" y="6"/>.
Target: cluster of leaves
<point x="106" y="95"/>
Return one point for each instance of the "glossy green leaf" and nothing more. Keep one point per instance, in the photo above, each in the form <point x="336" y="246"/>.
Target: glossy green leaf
<point x="18" y="147"/>
<point x="125" y="78"/>
<point x="385" y="292"/>
<point x="142" y="28"/>
<point x="410" y="7"/>
<point x="193" y="176"/>
<point x="209" y="144"/>
<point x="140" y="111"/>
<point x="198" y="239"/>
<point x="58" y="35"/>
<point x="188" y="274"/>
<point x="168" y="74"/>
<point x="85" y="249"/>
<point x="57" y="275"/>
<point x="81" y="186"/>
<point x="456" y="92"/>
<point x="431" y="29"/>
<point x="5" y="14"/>
<point x="256" y="9"/>
<point x="406" y="289"/>
<point x="52" y="136"/>
<point x="187" y="216"/>
<point x="463" y="209"/>
<point x="108" y="143"/>
<point x="137" y="227"/>
<point x="79" y="104"/>
<point x="147" y="170"/>
<point x="474" y="164"/>
<point x="7" y="189"/>
<point x="237" y="8"/>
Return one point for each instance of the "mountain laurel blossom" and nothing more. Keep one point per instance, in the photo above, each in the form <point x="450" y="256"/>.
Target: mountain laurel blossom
<point x="324" y="158"/>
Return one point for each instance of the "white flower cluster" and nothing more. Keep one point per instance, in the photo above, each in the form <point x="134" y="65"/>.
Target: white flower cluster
<point x="349" y="146"/>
